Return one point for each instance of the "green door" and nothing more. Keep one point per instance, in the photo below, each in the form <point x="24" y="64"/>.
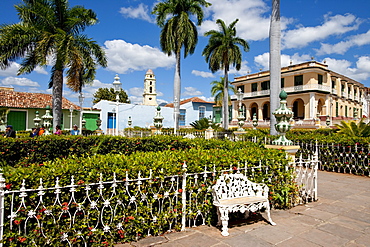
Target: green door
<point x="90" y="121"/>
<point x="17" y="119"/>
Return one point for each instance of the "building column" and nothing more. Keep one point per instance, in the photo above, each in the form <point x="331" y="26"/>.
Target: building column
<point x="260" y="114"/>
<point x="247" y="114"/>
<point x="313" y="106"/>
<point x="327" y="105"/>
<point x="235" y="111"/>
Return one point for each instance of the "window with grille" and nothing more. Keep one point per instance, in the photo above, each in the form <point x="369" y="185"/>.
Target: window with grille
<point x="202" y="112"/>
<point x="320" y="79"/>
<point x="254" y="87"/>
<point x="298" y="80"/>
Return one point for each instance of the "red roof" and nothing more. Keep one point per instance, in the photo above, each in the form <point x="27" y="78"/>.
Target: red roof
<point x="12" y="99"/>
<point x="194" y="99"/>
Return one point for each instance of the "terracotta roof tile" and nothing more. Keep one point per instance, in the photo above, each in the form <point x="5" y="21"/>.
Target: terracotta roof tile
<point x="194" y="99"/>
<point x="30" y="100"/>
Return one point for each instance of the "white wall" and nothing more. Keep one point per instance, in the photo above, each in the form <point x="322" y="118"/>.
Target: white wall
<point x="141" y="115"/>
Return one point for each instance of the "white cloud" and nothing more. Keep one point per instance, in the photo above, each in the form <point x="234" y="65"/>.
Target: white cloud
<point x="344" y="46"/>
<point x="136" y="100"/>
<point x="359" y="73"/>
<point x="136" y="91"/>
<point x="262" y="60"/>
<point x="124" y="57"/>
<point x="248" y="12"/>
<point x="333" y="25"/>
<point x="11" y="70"/>
<point x="203" y="74"/>
<point x="208" y="99"/>
<point x="243" y="69"/>
<point x="160" y="101"/>
<point x="191" y="91"/>
<point x="41" y="70"/>
<point x="140" y="12"/>
<point x="18" y="81"/>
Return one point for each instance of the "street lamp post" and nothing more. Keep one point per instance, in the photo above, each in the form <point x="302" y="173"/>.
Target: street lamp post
<point x="81" y="101"/>
<point x="240" y="117"/>
<point x="114" y="121"/>
<point x="175" y="115"/>
<point x="117" y="88"/>
<point x="71" y="116"/>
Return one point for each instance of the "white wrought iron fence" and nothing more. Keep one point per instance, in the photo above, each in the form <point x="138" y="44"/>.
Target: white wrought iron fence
<point x="122" y="208"/>
<point x="352" y="159"/>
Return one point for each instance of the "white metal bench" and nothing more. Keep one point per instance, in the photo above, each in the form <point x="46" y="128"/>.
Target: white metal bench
<point x="233" y="193"/>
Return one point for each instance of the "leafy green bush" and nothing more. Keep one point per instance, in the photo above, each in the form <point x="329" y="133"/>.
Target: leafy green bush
<point x="86" y="158"/>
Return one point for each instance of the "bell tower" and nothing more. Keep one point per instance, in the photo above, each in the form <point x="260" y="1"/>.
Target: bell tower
<point x="150" y="93"/>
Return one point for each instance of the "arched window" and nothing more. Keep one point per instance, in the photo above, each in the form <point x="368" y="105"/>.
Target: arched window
<point x="298" y="109"/>
<point x="202" y="111"/>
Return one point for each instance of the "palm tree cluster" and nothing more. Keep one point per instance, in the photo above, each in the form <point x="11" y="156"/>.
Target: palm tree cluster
<point x="50" y="32"/>
<point x="221" y="52"/>
<point x="354" y="129"/>
<point x="178" y="31"/>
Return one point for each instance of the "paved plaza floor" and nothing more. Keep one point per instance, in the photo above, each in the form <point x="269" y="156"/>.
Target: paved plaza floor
<point x="340" y="217"/>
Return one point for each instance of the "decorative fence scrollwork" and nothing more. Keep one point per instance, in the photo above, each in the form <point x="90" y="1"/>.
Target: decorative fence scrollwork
<point x="122" y="209"/>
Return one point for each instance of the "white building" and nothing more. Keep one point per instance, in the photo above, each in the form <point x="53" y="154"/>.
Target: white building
<point x="142" y="115"/>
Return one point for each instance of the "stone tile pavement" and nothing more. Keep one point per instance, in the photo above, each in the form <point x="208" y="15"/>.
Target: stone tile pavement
<point x="341" y="217"/>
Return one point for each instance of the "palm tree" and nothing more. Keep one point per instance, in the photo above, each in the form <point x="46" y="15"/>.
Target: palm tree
<point x="178" y="32"/>
<point x="222" y="51"/>
<point x="275" y="63"/>
<point x="217" y="91"/>
<point x="353" y="129"/>
<point x="49" y="30"/>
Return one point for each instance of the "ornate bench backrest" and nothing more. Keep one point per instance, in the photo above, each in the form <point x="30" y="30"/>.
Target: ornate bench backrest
<point x="230" y="186"/>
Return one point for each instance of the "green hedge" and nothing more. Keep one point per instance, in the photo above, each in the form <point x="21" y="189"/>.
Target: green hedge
<point x="163" y="155"/>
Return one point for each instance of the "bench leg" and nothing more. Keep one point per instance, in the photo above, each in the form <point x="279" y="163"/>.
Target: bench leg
<point x="268" y="214"/>
<point x="225" y="221"/>
<point x="219" y="222"/>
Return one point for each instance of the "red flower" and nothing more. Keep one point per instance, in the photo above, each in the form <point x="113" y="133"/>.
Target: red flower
<point x="180" y="190"/>
<point x="7" y="186"/>
<point x="80" y="182"/>
<point x="17" y="222"/>
<point x="22" y="239"/>
<point x="65" y="204"/>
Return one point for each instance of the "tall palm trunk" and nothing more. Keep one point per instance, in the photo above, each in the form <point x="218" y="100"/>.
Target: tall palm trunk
<point x="57" y="97"/>
<point x="177" y="91"/>
<point x="225" y="104"/>
<point x="275" y="63"/>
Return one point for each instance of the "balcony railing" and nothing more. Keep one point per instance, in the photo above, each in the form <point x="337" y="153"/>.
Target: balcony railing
<point x="300" y="88"/>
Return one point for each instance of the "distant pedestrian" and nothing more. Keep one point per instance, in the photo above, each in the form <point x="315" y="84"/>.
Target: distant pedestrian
<point x="41" y="130"/>
<point x="33" y="132"/>
<point x="58" y="131"/>
<point x="75" y="130"/>
<point x="9" y="132"/>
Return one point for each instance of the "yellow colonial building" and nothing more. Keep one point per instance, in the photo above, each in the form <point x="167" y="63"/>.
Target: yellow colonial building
<point x="314" y="92"/>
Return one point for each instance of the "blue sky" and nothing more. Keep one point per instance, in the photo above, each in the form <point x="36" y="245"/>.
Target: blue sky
<point x="331" y="30"/>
